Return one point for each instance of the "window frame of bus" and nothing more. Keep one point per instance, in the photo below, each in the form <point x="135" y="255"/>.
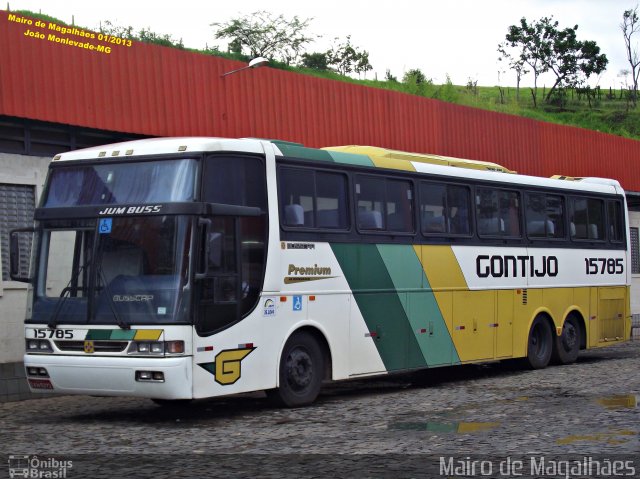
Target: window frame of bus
<point x="313" y="170"/>
<point x="471" y="210"/>
<point x="571" y="198"/>
<point x="385" y="231"/>
<point x="520" y="215"/>
<point x="565" y="216"/>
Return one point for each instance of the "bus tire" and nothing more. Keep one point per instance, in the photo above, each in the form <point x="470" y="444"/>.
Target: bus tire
<point x="301" y="371"/>
<point x="567" y="346"/>
<point x="540" y="345"/>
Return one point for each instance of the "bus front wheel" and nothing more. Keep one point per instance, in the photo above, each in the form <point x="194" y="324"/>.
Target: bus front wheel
<point x="540" y="345"/>
<point x="567" y="345"/>
<point x="301" y="372"/>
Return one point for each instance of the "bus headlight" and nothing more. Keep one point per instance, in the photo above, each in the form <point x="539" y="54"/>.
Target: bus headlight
<point x="38" y="346"/>
<point x="156" y="348"/>
<point x="36" y="371"/>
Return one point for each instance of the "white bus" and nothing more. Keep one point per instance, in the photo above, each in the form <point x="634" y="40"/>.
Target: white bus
<point x="185" y="268"/>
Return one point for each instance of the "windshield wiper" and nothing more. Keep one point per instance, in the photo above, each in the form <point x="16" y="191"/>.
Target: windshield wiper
<point x="121" y="323"/>
<point x="64" y="294"/>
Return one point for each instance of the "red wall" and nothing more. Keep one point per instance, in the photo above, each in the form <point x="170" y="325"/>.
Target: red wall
<point x="167" y="92"/>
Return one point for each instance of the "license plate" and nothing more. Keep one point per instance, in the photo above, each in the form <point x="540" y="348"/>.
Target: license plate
<point x="40" y="384"/>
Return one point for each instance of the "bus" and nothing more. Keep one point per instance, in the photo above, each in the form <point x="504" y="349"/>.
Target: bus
<point x="186" y="268"/>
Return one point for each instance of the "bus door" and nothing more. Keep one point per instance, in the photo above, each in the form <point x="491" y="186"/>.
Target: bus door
<point x="229" y="277"/>
<point x="220" y="278"/>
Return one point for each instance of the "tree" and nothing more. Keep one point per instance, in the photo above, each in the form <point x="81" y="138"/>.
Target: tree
<point x="516" y="63"/>
<point x="447" y="92"/>
<point x="629" y="26"/>
<point x="417" y="83"/>
<point x="316" y="60"/>
<point x="573" y="61"/>
<point x="414" y="75"/>
<point x="543" y="47"/>
<point x="389" y="77"/>
<point x="531" y="46"/>
<point x="346" y="58"/>
<point x="260" y="34"/>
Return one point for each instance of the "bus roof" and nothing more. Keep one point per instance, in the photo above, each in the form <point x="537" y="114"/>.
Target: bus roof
<point x="355" y="155"/>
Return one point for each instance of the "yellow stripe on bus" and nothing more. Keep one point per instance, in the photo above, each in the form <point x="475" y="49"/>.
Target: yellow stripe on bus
<point x="148" y="334"/>
<point x="441" y="267"/>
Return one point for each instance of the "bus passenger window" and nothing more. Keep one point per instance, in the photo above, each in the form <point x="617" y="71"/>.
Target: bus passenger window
<point x="498" y="212"/>
<point x="370" y="194"/>
<point x="297" y="187"/>
<point x="545" y="216"/>
<point x="444" y="209"/>
<point x="399" y="206"/>
<point x="432" y="207"/>
<point x="587" y="219"/>
<point x="384" y="204"/>
<point x="331" y="200"/>
<point x="313" y="199"/>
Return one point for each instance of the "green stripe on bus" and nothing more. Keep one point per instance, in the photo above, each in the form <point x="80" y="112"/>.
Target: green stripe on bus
<point x="295" y="151"/>
<point x="420" y="305"/>
<point x="98" y="334"/>
<point x="380" y="305"/>
<point x="110" y="334"/>
<point x="123" y="334"/>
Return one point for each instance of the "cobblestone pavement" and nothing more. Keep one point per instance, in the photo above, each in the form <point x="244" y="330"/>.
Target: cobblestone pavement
<point x="492" y="410"/>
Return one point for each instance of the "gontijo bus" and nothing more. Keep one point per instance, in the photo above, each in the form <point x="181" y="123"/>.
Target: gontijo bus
<point x="197" y="267"/>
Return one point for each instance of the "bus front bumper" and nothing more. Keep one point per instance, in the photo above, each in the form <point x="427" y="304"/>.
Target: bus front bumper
<point x="111" y="376"/>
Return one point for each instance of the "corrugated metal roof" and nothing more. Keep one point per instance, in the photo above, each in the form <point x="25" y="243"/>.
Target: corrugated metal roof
<point x="160" y="91"/>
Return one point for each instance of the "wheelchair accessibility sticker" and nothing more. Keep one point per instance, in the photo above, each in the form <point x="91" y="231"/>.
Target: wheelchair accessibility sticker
<point x="297" y="303"/>
<point x="105" y="226"/>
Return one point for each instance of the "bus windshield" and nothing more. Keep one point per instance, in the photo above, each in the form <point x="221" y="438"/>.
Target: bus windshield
<point x="134" y="272"/>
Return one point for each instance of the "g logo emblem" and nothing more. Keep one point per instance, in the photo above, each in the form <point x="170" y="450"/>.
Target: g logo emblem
<point x="228" y="365"/>
<point x="89" y="347"/>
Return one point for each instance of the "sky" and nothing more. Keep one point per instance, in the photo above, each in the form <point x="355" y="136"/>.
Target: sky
<point x="458" y="38"/>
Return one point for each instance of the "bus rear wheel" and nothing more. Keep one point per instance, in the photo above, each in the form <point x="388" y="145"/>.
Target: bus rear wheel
<point x="301" y="372"/>
<point x="567" y="345"/>
<point x="539" y="347"/>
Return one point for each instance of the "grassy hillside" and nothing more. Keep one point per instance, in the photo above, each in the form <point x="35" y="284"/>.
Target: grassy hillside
<point x="605" y="111"/>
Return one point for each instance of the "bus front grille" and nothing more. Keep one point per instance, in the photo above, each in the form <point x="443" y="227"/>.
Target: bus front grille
<point x="98" y="346"/>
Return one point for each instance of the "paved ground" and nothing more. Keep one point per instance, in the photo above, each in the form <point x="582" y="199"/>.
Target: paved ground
<point x="396" y="427"/>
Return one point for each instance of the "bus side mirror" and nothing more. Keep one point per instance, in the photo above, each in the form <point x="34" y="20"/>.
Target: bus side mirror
<point x="20" y="256"/>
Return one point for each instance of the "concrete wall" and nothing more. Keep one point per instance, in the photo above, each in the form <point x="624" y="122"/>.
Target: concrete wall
<point x="21" y="170"/>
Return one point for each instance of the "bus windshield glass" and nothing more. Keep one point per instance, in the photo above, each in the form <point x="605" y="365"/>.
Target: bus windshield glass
<point x="135" y="272"/>
<point x="122" y="183"/>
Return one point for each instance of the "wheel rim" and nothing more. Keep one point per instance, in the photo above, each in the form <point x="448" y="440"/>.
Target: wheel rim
<point x="299" y="369"/>
<point x="569" y="336"/>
